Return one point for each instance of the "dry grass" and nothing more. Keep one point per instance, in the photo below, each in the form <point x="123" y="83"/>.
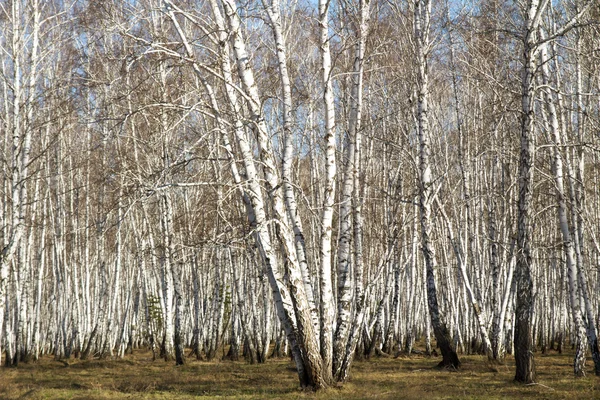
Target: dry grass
<point x="137" y="377"/>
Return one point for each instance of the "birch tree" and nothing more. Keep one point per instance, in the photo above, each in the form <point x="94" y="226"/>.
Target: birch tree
<point x="422" y="15"/>
<point x="554" y="128"/>
<point x="525" y="371"/>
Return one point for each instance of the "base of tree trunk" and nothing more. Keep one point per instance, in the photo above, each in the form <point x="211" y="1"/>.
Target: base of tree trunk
<point x="525" y="369"/>
<point x="449" y="357"/>
<point x="451" y="362"/>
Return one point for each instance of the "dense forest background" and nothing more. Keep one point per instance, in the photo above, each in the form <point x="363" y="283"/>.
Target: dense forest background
<point x="337" y="179"/>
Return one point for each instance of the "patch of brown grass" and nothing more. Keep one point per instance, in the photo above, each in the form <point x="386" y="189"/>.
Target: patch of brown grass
<point x="138" y="377"/>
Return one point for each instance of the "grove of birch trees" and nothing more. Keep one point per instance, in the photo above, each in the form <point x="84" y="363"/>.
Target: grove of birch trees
<point x="325" y="180"/>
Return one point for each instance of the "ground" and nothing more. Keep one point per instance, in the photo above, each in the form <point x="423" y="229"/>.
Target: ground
<point x="138" y="377"/>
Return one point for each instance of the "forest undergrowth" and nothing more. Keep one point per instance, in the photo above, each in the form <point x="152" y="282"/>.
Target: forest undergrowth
<point x="416" y="377"/>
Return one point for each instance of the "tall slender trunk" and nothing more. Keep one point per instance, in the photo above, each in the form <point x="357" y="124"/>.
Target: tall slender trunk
<point x="273" y="11"/>
<point x="557" y="167"/>
<point x="325" y="278"/>
<point x="422" y="12"/>
<point x="348" y="200"/>
<point x="523" y="337"/>
<point x="576" y="215"/>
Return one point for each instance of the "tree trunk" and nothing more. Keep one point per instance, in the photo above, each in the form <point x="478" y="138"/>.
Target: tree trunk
<point x="422" y="11"/>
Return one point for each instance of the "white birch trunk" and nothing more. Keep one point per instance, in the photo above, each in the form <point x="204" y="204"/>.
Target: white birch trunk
<point x="422" y="12"/>
<point x="351" y="172"/>
<point x="557" y="167"/>
<point x="273" y="11"/>
<point x="325" y="277"/>
<point x="523" y="338"/>
<point x="318" y="375"/>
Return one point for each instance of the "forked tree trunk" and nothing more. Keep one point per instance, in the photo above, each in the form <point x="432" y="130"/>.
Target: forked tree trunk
<point x="349" y="203"/>
<point x="306" y="336"/>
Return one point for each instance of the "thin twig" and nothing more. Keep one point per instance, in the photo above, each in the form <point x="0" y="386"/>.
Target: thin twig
<point x="539" y="384"/>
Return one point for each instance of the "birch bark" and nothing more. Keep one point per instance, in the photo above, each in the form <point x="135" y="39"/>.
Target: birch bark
<point x="325" y="278"/>
<point x="291" y="305"/>
<point x="422" y="12"/>
<point x="556" y="137"/>
<point x="273" y="11"/>
<point x="523" y="338"/>
<point x="349" y="200"/>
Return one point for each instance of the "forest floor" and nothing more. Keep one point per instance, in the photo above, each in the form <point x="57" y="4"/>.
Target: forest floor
<point x="138" y="377"/>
